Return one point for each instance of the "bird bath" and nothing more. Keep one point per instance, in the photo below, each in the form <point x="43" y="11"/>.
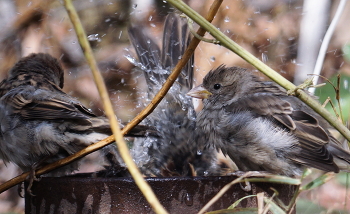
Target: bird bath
<point x="83" y="193"/>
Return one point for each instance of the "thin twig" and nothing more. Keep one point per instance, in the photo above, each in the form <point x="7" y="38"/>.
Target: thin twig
<point x="325" y="42"/>
<point x="268" y="178"/>
<point x="223" y="190"/>
<point x="122" y="147"/>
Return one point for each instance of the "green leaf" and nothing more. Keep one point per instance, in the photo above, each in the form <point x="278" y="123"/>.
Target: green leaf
<point x="274" y="208"/>
<point x="306" y="172"/>
<point x="275" y="179"/>
<point x="346" y="51"/>
<point x="318" y="181"/>
<point x="308" y="207"/>
<point x="343" y="178"/>
<point x="239" y="201"/>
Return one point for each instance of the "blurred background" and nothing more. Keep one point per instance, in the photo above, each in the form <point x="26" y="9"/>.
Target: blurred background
<point x="285" y="34"/>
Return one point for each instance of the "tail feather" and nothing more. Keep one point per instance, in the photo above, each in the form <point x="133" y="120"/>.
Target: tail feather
<point x="341" y="156"/>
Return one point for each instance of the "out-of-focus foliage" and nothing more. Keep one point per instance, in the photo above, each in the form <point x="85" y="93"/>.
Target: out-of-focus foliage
<point x="346" y="51"/>
<point x="344" y="91"/>
<point x="308" y="207"/>
<point x="343" y="178"/>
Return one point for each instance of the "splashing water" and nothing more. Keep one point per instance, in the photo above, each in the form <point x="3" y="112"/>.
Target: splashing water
<point x="94" y="37"/>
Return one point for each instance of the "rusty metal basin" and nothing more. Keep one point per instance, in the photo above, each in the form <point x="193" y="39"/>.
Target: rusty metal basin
<point x="84" y="193"/>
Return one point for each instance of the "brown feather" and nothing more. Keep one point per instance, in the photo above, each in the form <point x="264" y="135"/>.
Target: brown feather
<point x="285" y="127"/>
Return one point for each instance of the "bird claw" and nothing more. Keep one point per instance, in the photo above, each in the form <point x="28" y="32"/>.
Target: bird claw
<point x="31" y="178"/>
<point x="19" y="190"/>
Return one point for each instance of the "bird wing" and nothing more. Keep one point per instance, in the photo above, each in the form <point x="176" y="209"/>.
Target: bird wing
<point x="312" y="138"/>
<point x="33" y="104"/>
<point x="176" y="39"/>
<point x="157" y="63"/>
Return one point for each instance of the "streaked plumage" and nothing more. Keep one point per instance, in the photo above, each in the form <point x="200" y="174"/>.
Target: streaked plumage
<point x="39" y="122"/>
<point x="261" y="128"/>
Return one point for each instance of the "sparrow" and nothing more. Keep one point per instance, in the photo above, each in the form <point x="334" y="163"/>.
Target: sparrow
<point x="39" y="122"/>
<point x="261" y="128"/>
<point x="173" y="153"/>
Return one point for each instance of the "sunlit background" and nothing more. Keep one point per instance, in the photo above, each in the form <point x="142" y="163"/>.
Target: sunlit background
<point x="269" y="29"/>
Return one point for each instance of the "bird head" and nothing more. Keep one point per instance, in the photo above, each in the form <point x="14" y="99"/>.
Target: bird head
<point x="222" y="83"/>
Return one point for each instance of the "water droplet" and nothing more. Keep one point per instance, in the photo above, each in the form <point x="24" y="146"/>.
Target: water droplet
<point x="346" y="84"/>
<point x="199" y="152"/>
<point x="94" y="37"/>
<point x="153" y="79"/>
<point x="188" y="199"/>
<point x="264" y="57"/>
<point x="108" y="20"/>
<point x="134" y="6"/>
<point x="212" y="58"/>
<point x="227" y="19"/>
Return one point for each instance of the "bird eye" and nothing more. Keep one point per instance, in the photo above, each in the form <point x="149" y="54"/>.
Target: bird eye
<point x="217" y="86"/>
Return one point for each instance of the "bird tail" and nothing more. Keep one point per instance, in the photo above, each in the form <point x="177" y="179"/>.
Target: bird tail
<point x="341" y="156"/>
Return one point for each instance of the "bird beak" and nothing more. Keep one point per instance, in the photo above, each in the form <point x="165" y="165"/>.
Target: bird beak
<point x="199" y="92"/>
